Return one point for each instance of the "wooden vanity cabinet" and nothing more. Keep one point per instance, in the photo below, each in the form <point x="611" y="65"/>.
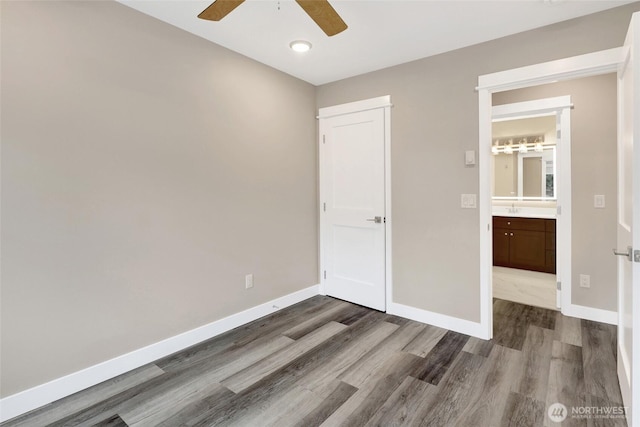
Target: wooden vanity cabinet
<point x="525" y="243"/>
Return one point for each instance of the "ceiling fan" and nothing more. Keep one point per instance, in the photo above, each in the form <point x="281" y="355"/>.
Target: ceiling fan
<point x="319" y="10"/>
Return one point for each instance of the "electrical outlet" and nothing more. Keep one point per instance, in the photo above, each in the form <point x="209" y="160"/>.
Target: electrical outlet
<point x="585" y="281"/>
<point x="248" y="281"/>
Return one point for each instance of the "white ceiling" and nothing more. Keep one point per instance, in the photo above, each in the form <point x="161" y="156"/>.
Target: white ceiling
<point x="381" y="33"/>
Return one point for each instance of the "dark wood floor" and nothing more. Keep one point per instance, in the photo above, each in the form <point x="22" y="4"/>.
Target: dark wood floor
<point x="328" y="362"/>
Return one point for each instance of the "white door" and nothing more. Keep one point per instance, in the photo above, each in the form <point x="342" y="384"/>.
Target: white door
<point x="629" y="225"/>
<point x="352" y="182"/>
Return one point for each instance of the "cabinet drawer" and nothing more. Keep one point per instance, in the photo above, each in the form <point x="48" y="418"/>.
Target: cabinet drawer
<point x="527" y="224"/>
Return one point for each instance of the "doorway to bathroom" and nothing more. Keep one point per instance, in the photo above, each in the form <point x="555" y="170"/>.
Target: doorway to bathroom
<point x="531" y="200"/>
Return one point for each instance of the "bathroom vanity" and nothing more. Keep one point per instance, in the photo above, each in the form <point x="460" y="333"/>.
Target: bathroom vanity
<point x="525" y="243"/>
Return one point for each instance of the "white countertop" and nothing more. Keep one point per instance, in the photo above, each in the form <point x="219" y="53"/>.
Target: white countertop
<point x="525" y="212"/>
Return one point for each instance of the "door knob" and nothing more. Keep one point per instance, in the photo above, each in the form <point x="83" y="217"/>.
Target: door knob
<point x="376" y="219"/>
<point x="627" y="254"/>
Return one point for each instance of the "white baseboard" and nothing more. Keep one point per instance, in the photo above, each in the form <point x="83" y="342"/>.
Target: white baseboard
<point x="25" y="401"/>
<point x="590" y="313"/>
<point x="455" y="324"/>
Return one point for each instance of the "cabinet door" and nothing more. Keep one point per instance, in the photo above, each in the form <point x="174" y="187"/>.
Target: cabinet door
<point x="501" y="247"/>
<point x="527" y="250"/>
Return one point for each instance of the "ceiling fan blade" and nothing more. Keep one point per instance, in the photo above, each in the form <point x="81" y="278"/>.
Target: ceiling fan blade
<point x="219" y="9"/>
<point x="324" y="15"/>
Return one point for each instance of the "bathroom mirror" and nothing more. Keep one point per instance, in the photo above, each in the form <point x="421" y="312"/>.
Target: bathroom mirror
<point x="524" y="159"/>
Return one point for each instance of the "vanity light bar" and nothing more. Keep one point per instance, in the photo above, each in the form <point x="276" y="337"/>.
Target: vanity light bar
<point x="522" y="144"/>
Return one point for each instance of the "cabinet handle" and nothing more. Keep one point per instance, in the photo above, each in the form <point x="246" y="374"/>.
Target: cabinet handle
<point x="512" y="234"/>
<point x="506" y="234"/>
<point x="508" y="223"/>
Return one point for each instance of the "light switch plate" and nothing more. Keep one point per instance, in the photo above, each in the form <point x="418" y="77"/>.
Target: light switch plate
<point x="598" y="201"/>
<point x="469" y="158"/>
<point x="468" y="201"/>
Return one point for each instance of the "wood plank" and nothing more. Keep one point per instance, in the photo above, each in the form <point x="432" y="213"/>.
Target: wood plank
<point x="368" y="366"/>
<point x="541" y="317"/>
<point x="425" y="341"/>
<point x="568" y="330"/>
<point x="192" y="413"/>
<point x="441" y="357"/>
<point x="237" y="340"/>
<point x="114" y="421"/>
<point x="314" y="368"/>
<point x="509" y="324"/>
<point x="88" y="398"/>
<point x="566" y="381"/>
<point x="314" y="322"/>
<point x="318" y="384"/>
<point x="401" y="408"/>
<point x="156" y="404"/>
<point x="534" y="374"/>
<point x="375" y="391"/>
<point x="521" y="411"/>
<point x="453" y="393"/>
<point x="478" y="346"/>
<point x="250" y="375"/>
<point x="599" y="359"/>
<point x="488" y="395"/>
<point x="327" y="406"/>
<point x="602" y="413"/>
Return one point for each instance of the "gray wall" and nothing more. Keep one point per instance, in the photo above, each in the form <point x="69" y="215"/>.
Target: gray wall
<point x="434" y="120"/>
<point x="145" y="171"/>
<point x="593" y="171"/>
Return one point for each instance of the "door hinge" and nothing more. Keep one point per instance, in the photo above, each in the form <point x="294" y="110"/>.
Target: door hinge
<point x="325" y="275"/>
<point x="636" y="255"/>
<point x="324" y="140"/>
<point x="559" y="286"/>
<point x="384" y="219"/>
<point x="559" y="210"/>
<point x="559" y="134"/>
<point x="324" y="207"/>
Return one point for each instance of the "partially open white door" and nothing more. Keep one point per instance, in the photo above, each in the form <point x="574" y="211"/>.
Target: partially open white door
<point x="629" y="224"/>
<point x="352" y="181"/>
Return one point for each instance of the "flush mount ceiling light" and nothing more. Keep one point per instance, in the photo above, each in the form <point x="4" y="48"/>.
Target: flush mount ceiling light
<point x="300" y="46"/>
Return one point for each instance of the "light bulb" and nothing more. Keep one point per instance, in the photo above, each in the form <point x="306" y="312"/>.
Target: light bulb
<point x="300" y="46"/>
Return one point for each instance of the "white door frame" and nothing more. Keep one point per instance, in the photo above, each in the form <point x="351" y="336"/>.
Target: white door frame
<point x="383" y="102"/>
<point x="560" y="107"/>
<point x="591" y="64"/>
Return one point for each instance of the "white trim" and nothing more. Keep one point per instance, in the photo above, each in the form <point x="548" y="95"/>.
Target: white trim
<point x="354" y="107"/>
<point x="387" y="205"/>
<point x="590" y="64"/>
<point x="535" y="108"/>
<point x="590" y="313"/>
<point x="455" y="324"/>
<point x="485" y="211"/>
<point x="564" y="230"/>
<point x="25" y="401"/>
